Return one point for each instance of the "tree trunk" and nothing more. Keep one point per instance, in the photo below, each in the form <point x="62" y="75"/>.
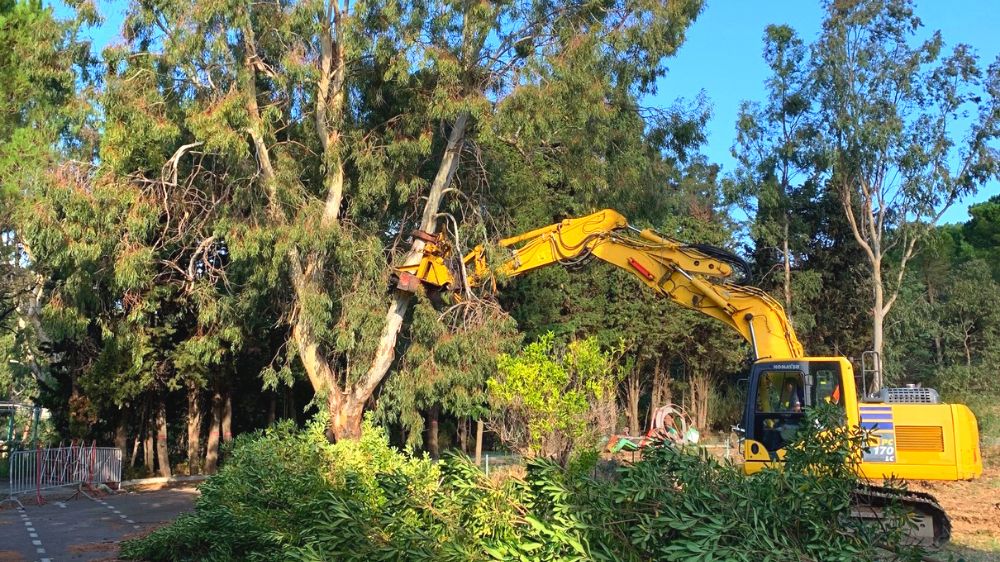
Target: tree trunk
<point x="968" y="349"/>
<point x="147" y="444"/>
<point x="227" y="416"/>
<point x="463" y="435"/>
<point x="633" y="391"/>
<point x="699" y="399"/>
<point x="938" y="348"/>
<point x="135" y="448"/>
<point x="162" y="449"/>
<point x="346" y="414"/>
<point x="787" y="259"/>
<point x="121" y="433"/>
<point x="272" y="407"/>
<point x="660" y="392"/>
<point x="194" y="429"/>
<point x="878" y="319"/>
<point x="433" y="417"/>
<point x="288" y="405"/>
<point x="212" y="446"/>
<point x="479" y="441"/>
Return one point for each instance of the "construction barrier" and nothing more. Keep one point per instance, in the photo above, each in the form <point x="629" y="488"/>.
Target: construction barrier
<point x="57" y="467"/>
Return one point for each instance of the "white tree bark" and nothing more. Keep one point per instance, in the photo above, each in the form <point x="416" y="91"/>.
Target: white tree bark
<point x="400" y="304"/>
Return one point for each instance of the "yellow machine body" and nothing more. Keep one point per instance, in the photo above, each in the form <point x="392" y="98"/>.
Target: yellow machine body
<point x="909" y="441"/>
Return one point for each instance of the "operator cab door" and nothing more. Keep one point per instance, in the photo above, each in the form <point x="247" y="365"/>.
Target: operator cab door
<point x="778" y="394"/>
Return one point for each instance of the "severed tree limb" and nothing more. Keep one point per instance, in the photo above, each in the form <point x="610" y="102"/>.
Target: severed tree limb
<point x="170" y="167"/>
<point x="385" y="352"/>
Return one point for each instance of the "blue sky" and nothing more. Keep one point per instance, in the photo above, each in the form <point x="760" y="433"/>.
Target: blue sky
<point x="722" y="57"/>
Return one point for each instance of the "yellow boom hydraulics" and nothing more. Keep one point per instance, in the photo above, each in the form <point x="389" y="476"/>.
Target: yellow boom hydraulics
<point x="915" y="436"/>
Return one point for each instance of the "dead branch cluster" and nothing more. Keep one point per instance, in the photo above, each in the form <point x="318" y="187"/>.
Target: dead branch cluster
<point x="469" y="315"/>
<point x="189" y="194"/>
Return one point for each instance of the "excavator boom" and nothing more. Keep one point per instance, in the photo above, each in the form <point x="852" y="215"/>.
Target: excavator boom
<point x="698" y="277"/>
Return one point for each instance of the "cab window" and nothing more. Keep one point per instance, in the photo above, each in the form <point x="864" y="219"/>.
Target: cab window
<point x="827" y="388"/>
<point x="780" y="403"/>
<point x="780" y="391"/>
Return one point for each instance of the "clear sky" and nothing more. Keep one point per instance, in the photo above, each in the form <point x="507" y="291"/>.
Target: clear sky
<point x="722" y="57"/>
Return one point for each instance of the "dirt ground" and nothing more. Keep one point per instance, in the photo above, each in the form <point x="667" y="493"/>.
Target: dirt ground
<point x="974" y="509"/>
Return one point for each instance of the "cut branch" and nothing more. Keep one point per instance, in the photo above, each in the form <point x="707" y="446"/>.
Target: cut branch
<point x="400" y="304"/>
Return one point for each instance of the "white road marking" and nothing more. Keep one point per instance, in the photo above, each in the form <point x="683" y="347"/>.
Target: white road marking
<point x="30" y="528"/>
<point x="61" y="504"/>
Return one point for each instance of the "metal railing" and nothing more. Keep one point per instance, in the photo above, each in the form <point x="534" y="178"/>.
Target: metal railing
<point x="56" y="467"/>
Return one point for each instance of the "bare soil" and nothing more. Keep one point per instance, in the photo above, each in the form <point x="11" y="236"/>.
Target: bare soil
<point x="974" y="509"/>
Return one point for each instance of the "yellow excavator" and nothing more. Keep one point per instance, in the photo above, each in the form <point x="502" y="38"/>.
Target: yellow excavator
<point x="913" y="434"/>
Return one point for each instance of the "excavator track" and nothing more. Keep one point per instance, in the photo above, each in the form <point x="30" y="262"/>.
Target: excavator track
<point x="932" y="528"/>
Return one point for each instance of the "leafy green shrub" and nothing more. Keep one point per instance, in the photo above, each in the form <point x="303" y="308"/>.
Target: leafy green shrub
<point x="290" y="495"/>
<point x="255" y="506"/>
<point x="551" y="402"/>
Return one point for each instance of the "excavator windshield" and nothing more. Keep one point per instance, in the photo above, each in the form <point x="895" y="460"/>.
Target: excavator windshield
<point x="780" y="393"/>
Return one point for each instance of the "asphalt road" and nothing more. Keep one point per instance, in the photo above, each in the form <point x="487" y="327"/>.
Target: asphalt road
<point x="83" y="528"/>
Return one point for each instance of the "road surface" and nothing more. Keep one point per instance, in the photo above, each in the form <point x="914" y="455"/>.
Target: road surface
<point x="83" y="528"/>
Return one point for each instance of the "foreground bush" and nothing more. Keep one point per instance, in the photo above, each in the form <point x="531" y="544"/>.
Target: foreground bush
<point x="290" y="495"/>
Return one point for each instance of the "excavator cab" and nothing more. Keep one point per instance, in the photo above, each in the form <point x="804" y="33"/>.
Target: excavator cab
<point x="779" y="392"/>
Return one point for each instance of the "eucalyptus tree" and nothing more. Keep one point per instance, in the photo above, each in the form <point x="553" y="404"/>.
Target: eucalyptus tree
<point x="286" y="150"/>
<point x="909" y="128"/>
<point x="779" y="164"/>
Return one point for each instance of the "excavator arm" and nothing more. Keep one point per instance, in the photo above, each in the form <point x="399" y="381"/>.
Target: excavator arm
<point x="697" y="277"/>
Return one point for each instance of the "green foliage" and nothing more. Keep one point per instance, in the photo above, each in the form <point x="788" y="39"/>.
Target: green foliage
<point x="253" y="505"/>
<point x="982" y="233"/>
<point x="552" y="401"/>
<point x="45" y="118"/>
<point x="230" y="127"/>
<point x="946" y="336"/>
<point x="292" y="496"/>
<point x="448" y="358"/>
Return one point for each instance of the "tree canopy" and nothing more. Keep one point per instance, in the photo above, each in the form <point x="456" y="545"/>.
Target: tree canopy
<point x="198" y="227"/>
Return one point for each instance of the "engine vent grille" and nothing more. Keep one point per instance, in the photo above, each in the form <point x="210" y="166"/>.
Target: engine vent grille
<point x="919" y="438"/>
<point x="910" y="395"/>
